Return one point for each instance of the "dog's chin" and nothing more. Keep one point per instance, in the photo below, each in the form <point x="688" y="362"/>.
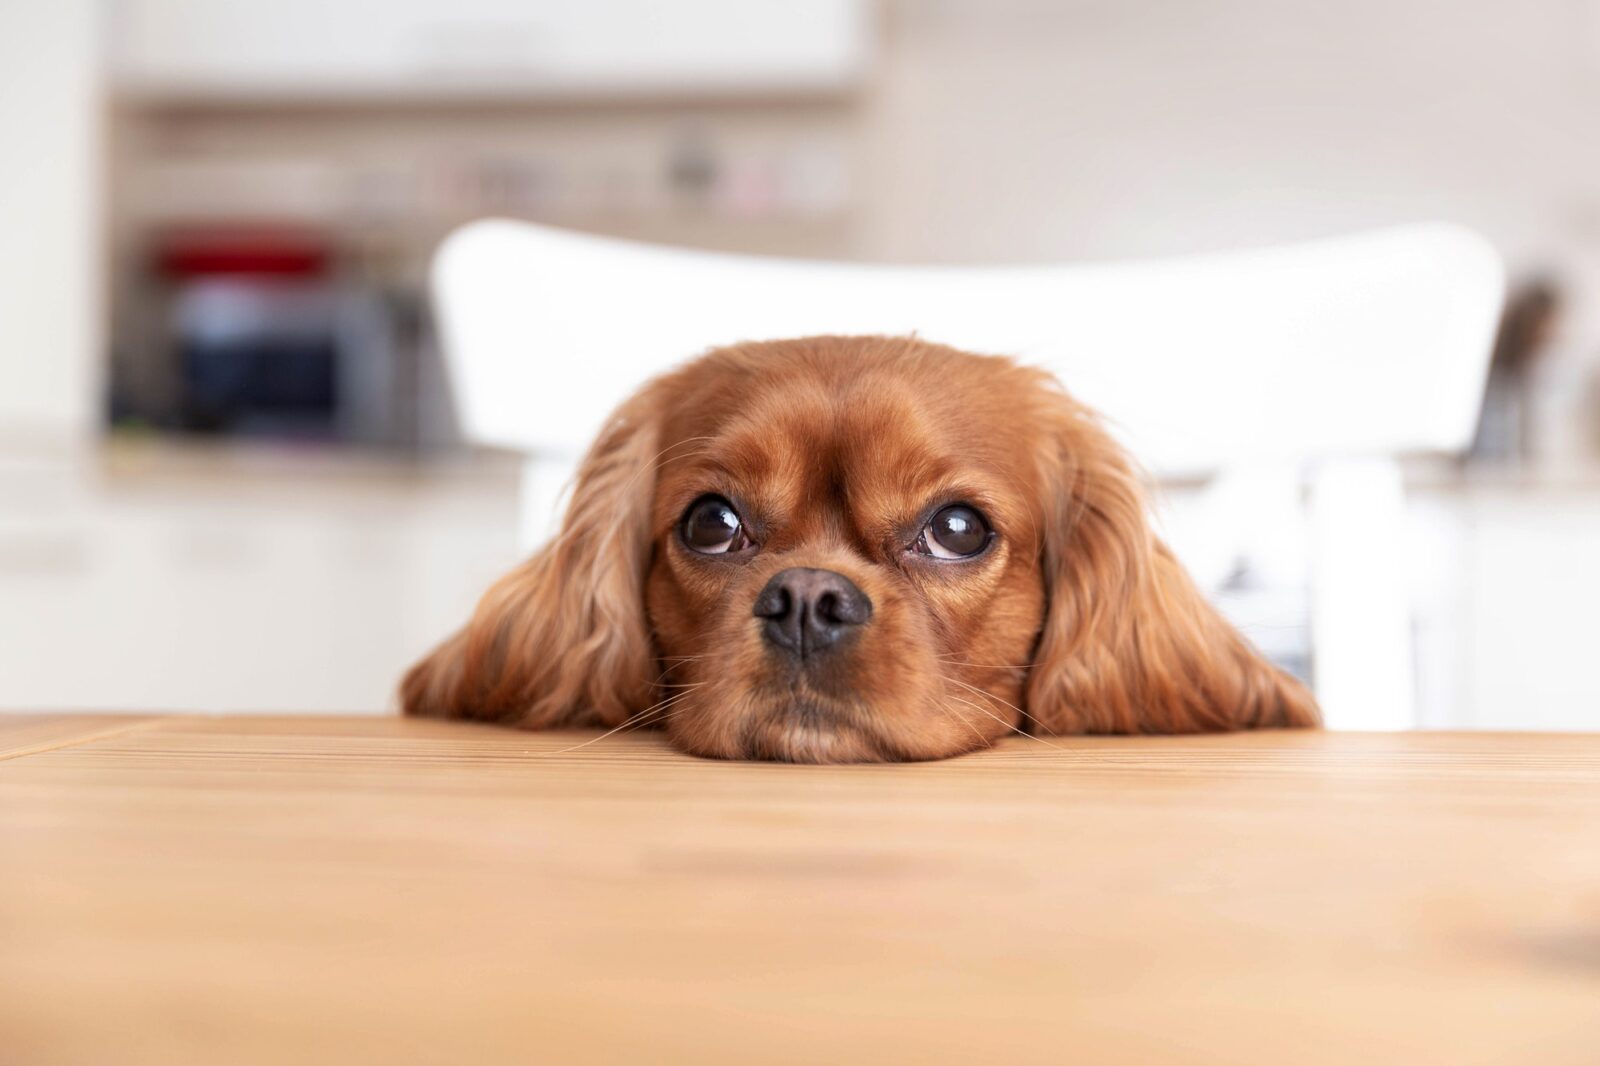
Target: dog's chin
<point x="794" y="728"/>
<point x="805" y="729"/>
<point x="807" y="732"/>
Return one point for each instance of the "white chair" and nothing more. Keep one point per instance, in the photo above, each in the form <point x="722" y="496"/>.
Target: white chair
<point x="1321" y="363"/>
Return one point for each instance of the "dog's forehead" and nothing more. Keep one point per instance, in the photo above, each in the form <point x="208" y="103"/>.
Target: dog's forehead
<point x="887" y="430"/>
<point x="847" y="387"/>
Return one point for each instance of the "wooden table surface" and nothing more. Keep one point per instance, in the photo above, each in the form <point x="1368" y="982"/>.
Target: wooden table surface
<point x="295" y="890"/>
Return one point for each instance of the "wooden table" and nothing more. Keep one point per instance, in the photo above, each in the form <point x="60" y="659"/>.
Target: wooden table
<point x="276" y="890"/>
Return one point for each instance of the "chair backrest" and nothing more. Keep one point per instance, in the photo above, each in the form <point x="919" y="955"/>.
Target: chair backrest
<point x="1370" y="344"/>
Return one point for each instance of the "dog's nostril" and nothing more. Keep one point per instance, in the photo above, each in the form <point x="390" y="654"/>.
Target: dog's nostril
<point x="772" y="603"/>
<point x="828" y="607"/>
<point x="852" y="608"/>
<point x="807" y="610"/>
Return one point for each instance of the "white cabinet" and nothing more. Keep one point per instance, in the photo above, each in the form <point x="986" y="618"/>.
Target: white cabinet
<point x="1535" y="635"/>
<point x="429" y="49"/>
<point x="200" y="580"/>
<point x="49" y="251"/>
<point x="1506" y="620"/>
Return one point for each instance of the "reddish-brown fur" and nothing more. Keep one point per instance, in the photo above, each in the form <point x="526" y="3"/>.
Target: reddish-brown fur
<point x="1079" y="620"/>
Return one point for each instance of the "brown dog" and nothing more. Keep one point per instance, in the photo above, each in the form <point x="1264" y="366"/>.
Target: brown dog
<point x="844" y="549"/>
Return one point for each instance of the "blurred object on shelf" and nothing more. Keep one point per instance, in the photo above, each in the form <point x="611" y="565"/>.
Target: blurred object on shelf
<point x="692" y="165"/>
<point x="424" y="173"/>
<point x="1559" y="433"/>
<point x="257" y="356"/>
<point x="260" y="250"/>
<point x="1505" y="426"/>
<point x="267" y="334"/>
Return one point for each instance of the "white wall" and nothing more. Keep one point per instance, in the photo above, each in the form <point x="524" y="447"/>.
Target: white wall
<point x="50" y="322"/>
<point x="1070" y="129"/>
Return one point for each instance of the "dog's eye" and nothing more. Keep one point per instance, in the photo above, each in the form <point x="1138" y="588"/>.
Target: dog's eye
<point x="712" y="527"/>
<point x="956" y="532"/>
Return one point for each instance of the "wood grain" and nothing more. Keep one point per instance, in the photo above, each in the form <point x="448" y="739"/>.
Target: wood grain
<point x="29" y="734"/>
<point x="265" y="890"/>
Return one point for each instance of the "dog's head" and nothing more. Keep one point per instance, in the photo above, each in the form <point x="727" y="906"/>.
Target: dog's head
<point x="853" y="549"/>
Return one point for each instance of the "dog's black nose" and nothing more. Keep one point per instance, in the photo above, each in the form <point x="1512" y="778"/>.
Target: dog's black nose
<point x="807" y="610"/>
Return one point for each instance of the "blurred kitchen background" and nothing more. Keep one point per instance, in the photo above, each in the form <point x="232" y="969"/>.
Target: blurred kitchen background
<point x="229" y="478"/>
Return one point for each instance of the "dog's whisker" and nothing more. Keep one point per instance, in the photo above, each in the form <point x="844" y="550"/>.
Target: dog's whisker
<point x="664" y="710"/>
<point x="984" y="666"/>
<point x="991" y="714"/>
<point x="682" y="660"/>
<point x="984" y="694"/>
<point x="663" y="713"/>
<point x="1014" y="728"/>
<point x="662" y="704"/>
<point x="635" y="721"/>
<point x="991" y="696"/>
<point x="662" y="675"/>
<point x="958" y="716"/>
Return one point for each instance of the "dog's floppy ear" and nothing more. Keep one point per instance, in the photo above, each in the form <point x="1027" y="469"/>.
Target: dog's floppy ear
<point x="562" y="639"/>
<point x="1129" y="644"/>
